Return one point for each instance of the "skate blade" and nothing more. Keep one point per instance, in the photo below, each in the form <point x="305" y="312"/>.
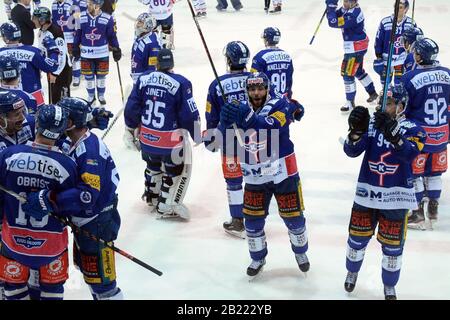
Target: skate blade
<point x="236" y="234"/>
<point x="417" y="226"/>
<point x="253" y="278"/>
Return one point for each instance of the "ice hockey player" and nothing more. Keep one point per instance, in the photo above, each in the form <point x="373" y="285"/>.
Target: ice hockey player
<point x="409" y="38"/>
<point x="30" y="58"/>
<point x="269" y="168"/>
<point x="389" y="142"/>
<point x="382" y="43"/>
<point x="200" y="8"/>
<point x="64" y="15"/>
<point x="222" y="5"/>
<point x="276" y="63"/>
<point x="237" y="56"/>
<point x="350" y="19"/>
<point x="92" y="41"/>
<point x="162" y="12"/>
<point x="30" y="237"/>
<point x="95" y="196"/>
<point x="428" y="87"/>
<point x="10" y="81"/>
<point x="146" y="46"/>
<point x="60" y="79"/>
<point x="159" y="112"/>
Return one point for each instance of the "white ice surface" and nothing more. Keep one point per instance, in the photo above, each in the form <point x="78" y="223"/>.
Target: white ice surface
<point x="198" y="259"/>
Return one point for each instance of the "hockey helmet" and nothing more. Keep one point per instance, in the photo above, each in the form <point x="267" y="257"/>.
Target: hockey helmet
<point x="427" y="49"/>
<point x="10" y="101"/>
<point x="271" y="35"/>
<point x="9" y="68"/>
<point x="51" y="121"/>
<point x="79" y="110"/>
<point x="43" y="14"/>
<point x="237" y="54"/>
<point x="10" y="32"/>
<point x="145" y="23"/>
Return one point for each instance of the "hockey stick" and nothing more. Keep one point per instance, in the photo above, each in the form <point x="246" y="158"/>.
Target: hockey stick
<point x="238" y="136"/>
<point x="413" y="9"/>
<point x="391" y="52"/>
<point x="318" y="26"/>
<point x="119" y="113"/>
<point x="87" y="234"/>
<point x="50" y="98"/>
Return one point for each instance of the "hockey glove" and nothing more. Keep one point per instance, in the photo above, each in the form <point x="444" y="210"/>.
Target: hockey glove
<point x="117" y="54"/>
<point x="358" y="122"/>
<point x="238" y="113"/>
<point x="388" y="127"/>
<point x="295" y="110"/>
<point x="38" y="204"/>
<point x="331" y="4"/>
<point x="131" y="138"/>
<point x="378" y="66"/>
<point x="76" y="53"/>
<point x="50" y="45"/>
<point x="100" y="118"/>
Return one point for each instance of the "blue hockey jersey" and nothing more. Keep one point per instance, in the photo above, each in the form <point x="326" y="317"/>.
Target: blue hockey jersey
<point x="32" y="62"/>
<point x="410" y="63"/>
<point x="382" y="41"/>
<point x="23" y="169"/>
<point x="428" y="105"/>
<point x="21" y="137"/>
<point x="161" y="103"/>
<point x="62" y="17"/>
<point x="95" y="35"/>
<point x="144" y="54"/>
<point x="96" y="192"/>
<point x="268" y="152"/>
<point x="351" y="22"/>
<point x="279" y="68"/>
<point x="385" y="179"/>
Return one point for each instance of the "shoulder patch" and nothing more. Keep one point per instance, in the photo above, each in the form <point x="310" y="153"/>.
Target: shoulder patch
<point x="92" y="180"/>
<point x="280" y="116"/>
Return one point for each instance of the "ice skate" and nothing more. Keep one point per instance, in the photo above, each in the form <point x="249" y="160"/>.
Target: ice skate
<point x="349" y="105"/>
<point x="350" y="281"/>
<point x="373" y="97"/>
<point x="276" y="9"/>
<point x="235" y="227"/>
<point x="255" y="268"/>
<point x="76" y="82"/>
<point x="417" y="218"/>
<point x="389" y="293"/>
<point x="432" y="212"/>
<point x="102" y="100"/>
<point x="170" y="212"/>
<point x="302" y="261"/>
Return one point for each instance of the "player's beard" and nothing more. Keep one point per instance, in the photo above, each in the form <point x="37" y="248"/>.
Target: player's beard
<point x="258" y="101"/>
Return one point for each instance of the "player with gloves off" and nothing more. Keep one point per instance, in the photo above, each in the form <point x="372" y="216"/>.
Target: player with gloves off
<point x="385" y="189"/>
<point x="158" y="114"/>
<point x="350" y="19"/>
<point x="92" y="42"/>
<point x="269" y="168"/>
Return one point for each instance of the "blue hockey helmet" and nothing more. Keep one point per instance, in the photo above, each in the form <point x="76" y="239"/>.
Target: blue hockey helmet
<point x="10" y="101"/>
<point x="271" y="35"/>
<point x="10" y="32"/>
<point x="257" y="79"/>
<point x="427" y="49"/>
<point x="398" y="93"/>
<point x="9" y="68"/>
<point x="51" y="121"/>
<point x="411" y="35"/>
<point x="43" y="14"/>
<point x="79" y="110"/>
<point x="144" y="23"/>
<point x="237" y="54"/>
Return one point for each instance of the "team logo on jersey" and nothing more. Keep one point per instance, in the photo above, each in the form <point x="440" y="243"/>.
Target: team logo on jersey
<point x="253" y="146"/>
<point x="382" y="168"/>
<point x="93" y="36"/>
<point x="29" y="242"/>
<point x="61" y="22"/>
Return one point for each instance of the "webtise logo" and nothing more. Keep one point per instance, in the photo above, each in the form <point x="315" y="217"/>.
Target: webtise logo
<point x="37" y="164"/>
